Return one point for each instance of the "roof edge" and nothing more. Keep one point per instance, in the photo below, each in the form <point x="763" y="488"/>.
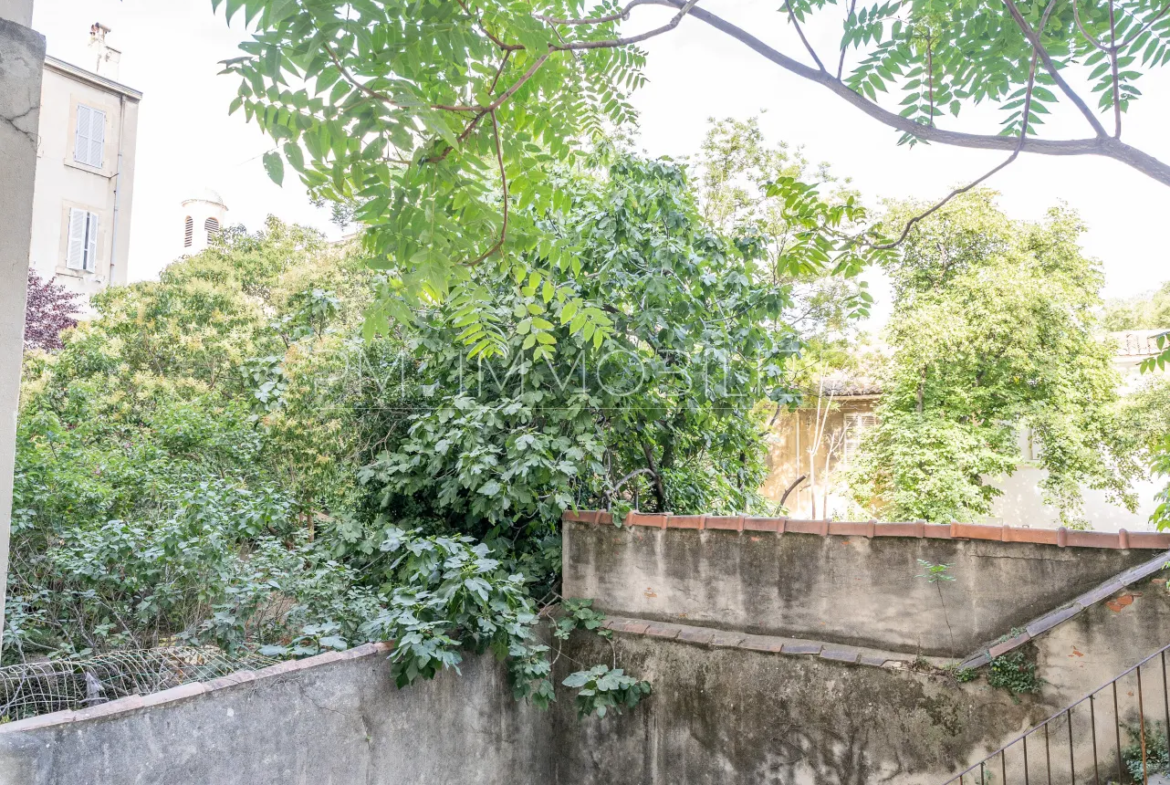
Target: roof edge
<point x="97" y="80"/>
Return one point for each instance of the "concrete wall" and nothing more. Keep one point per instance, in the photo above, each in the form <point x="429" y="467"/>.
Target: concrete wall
<point x="306" y="723"/>
<point x="725" y="710"/>
<point x="22" y="54"/>
<point x="851" y="590"/>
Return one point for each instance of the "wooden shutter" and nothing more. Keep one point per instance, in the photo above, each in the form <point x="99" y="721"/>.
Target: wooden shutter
<point x="188" y="232"/>
<point x="91" y="231"/>
<point x="75" y="250"/>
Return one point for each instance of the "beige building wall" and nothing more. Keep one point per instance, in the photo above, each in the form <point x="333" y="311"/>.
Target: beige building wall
<point x="795" y="449"/>
<point x="62" y="182"/>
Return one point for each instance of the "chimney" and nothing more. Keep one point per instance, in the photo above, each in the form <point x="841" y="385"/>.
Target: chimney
<point x="106" y="58"/>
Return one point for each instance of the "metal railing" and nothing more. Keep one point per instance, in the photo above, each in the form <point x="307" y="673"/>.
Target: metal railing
<point x="1083" y="743"/>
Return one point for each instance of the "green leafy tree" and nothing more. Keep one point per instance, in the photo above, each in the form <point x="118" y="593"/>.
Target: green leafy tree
<point x="660" y="415"/>
<point x="1145" y="312"/>
<point x="449" y="152"/>
<point x="993" y="330"/>
<point x="482" y="99"/>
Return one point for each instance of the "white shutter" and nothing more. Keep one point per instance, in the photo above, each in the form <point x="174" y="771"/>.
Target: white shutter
<point x="81" y="142"/>
<point x="89" y="145"/>
<point x="75" y="251"/>
<point x="91" y="242"/>
<point x="97" y="137"/>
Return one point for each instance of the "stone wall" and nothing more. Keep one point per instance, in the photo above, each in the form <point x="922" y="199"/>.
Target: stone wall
<point x="855" y="584"/>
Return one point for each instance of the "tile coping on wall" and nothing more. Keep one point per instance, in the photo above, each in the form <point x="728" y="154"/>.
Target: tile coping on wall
<point x="1062" y="537"/>
<point x="1043" y="624"/>
<point x="190" y="690"/>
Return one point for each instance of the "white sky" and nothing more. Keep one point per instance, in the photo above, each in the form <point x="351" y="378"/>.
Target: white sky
<point x="186" y="140"/>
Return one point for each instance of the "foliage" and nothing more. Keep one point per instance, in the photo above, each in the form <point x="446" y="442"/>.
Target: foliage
<point x="602" y="688"/>
<point x="993" y="331"/>
<point x="1157" y="755"/>
<point x="934" y="573"/>
<point x="49" y="309"/>
<point x="1145" y="312"/>
<point x="662" y="411"/>
<point x="155" y="494"/>
<point x="1015" y="672"/>
<point x="454" y="149"/>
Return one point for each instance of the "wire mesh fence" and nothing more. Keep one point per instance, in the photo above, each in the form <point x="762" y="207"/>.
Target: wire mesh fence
<point x="34" y="688"/>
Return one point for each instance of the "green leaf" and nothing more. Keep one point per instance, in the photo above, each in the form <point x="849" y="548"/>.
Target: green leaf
<point x="274" y="165"/>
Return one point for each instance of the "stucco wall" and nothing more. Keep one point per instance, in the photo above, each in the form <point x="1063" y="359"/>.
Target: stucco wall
<point x="721" y="713"/>
<point x="332" y="723"/>
<point x="62" y="183"/>
<point x="845" y="589"/>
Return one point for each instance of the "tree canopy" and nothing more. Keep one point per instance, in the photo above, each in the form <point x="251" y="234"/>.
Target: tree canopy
<point x="994" y="334"/>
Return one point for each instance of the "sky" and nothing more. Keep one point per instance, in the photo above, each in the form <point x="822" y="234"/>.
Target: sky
<point x="187" y="141"/>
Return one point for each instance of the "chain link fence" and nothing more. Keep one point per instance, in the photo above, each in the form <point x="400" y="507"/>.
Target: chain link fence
<point x="34" y="688"/>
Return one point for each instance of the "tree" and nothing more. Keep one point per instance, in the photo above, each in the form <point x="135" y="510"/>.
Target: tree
<point x="483" y="99"/>
<point x="451" y="147"/>
<point x="662" y="415"/>
<point x="49" y="309"/>
<point x="993" y="331"/>
<point x="1145" y="312"/>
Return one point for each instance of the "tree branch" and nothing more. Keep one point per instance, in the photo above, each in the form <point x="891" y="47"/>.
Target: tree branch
<point x="504" y="185"/>
<point x="1165" y="9"/>
<point x="1050" y="67"/>
<point x="792" y="488"/>
<point x="1025" y="121"/>
<point x="841" y="62"/>
<point x="799" y="32"/>
<point x="1102" y="145"/>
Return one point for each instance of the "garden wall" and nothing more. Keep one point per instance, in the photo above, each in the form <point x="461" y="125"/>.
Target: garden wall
<point x="336" y="719"/>
<point x="849" y="583"/>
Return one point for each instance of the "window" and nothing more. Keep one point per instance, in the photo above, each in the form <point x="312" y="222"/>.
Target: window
<point x="856" y="424"/>
<point x="90" y="141"/>
<point x="211" y="226"/>
<point x="81" y="252"/>
<point x="188" y="232"/>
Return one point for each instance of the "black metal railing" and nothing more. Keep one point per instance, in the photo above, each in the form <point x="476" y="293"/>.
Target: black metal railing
<point x="1105" y="738"/>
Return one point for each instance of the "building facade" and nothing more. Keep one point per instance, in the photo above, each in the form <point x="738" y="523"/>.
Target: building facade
<point x="85" y="172"/>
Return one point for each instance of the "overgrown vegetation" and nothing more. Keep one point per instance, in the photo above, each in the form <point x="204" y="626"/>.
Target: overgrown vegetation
<point x="222" y="458"/>
<point x="1015" y="672"/>
<point x="1157" y="754"/>
<point x="994" y="334"/>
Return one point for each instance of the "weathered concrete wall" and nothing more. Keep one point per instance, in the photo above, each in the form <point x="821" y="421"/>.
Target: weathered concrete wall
<point x="722" y="713"/>
<point x="852" y="590"/>
<point x="340" y="723"/>
<point x="22" y="57"/>
<point x="725" y="714"/>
